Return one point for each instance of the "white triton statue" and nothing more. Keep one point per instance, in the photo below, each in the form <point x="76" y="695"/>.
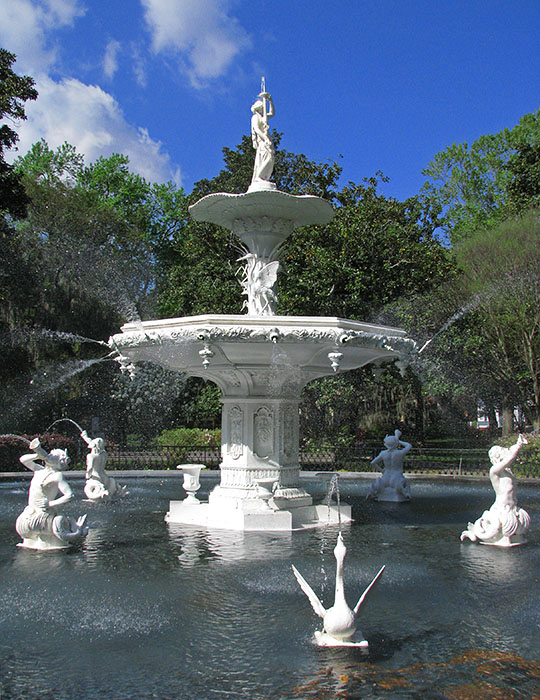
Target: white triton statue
<point x="262" y="110"/>
<point x="39" y="524"/>
<point x="339" y="621"/>
<point x="504" y="524"/>
<point x="98" y="485"/>
<point x="392" y="485"/>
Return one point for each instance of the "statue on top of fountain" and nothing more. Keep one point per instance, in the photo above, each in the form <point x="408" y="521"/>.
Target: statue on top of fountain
<point x="262" y="110"/>
<point x="99" y="486"/>
<point x="39" y="524"/>
<point x="504" y="524"/>
<point x="392" y="485"/>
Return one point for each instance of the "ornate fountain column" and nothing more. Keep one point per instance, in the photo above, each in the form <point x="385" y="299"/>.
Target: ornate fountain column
<point x="260" y="440"/>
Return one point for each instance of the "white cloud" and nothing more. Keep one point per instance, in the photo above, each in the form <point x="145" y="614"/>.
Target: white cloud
<point x="85" y="116"/>
<point x="110" y="60"/>
<point x="202" y="34"/>
<point x="24" y="28"/>
<point x="91" y="120"/>
<point x="138" y="65"/>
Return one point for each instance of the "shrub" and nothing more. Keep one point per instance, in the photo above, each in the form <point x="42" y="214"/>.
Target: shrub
<point x="189" y="437"/>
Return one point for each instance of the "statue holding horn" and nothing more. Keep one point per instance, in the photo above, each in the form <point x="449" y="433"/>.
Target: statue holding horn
<point x="262" y="110"/>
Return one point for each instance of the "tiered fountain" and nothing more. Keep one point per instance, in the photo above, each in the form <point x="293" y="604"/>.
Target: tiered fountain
<point x="260" y="361"/>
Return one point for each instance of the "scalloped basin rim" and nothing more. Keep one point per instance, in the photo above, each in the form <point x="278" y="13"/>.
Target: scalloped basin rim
<point x="223" y="208"/>
<point x="264" y="322"/>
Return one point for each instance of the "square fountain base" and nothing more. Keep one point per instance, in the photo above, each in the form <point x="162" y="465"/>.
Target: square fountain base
<point x="254" y="518"/>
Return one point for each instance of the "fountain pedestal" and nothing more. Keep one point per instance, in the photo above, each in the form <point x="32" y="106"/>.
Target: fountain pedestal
<point x="259" y="443"/>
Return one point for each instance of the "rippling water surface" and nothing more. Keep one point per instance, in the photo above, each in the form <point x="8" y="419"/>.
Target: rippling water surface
<point x="149" y="610"/>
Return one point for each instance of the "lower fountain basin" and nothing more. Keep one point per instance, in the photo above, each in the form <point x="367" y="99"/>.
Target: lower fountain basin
<point x="145" y="609"/>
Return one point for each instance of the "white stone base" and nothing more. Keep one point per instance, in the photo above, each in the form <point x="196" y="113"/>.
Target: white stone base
<point x="321" y="639"/>
<point x="505" y="541"/>
<point x="498" y="541"/>
<point x="253" y="516"/>
<point x="42" y="545"/>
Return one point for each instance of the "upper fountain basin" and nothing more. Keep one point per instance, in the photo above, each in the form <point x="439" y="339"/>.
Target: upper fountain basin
<point x="262" y="219"/>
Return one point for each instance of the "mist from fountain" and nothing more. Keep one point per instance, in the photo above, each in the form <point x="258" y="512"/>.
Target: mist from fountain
<point x="31" y="391"/>
<point x="16" y="437"/>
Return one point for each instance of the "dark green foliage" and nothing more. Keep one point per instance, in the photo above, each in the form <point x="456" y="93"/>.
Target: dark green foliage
<point x="15" y="90"/>
<point x="11" y="448"/>
<point x="524" y="187"/>
<point x="374" y="251"/>
<point x="489" y="347"/>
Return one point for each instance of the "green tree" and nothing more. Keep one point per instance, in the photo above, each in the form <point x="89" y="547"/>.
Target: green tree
<point x="475" y="185"/>
<point x="375" y="250"/>
<point x="524" y="186"/>
<point x="15" y="90"/>
<point x="489" y="351"/>
<point x="86" y="250"/>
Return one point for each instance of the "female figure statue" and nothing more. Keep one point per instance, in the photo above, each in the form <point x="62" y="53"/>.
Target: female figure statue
<point x="39" y="524"/>
<point x="392" y="485"/>
<point x="504" y="524"/>
<point x="98" y="485"/>
<point x="262" y="143"/>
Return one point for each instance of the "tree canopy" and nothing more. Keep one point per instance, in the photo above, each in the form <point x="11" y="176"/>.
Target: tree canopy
<point x="479" y="185"/>
<point x="15" y="90"/>
<point x="373" y="251"/>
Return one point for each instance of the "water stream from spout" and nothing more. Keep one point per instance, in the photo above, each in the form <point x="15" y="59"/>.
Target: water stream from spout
<point x="333" y="487"/>
<point x="465" y="309"/>
<point x="21" y="336"/>
<point x="16" y="437"/>
<point x="60" y="420"/>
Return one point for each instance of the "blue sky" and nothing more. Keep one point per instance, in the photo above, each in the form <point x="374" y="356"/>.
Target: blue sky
<point x="385" y="84"/>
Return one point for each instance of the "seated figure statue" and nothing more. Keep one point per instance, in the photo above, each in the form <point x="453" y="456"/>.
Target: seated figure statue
<point x="504" y="524"/>
<point x="392" y="485"/>
<point x="99" y="486"/>
<point x="39" y="524"/>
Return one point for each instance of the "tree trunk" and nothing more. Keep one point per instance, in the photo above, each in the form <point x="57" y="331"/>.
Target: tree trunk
<point x="492" y="420"/>
<point x="507" y="421"/>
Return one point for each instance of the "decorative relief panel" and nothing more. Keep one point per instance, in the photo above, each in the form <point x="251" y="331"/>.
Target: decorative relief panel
<point x="288" y="431"/>
<point x="236" y="432"/>
<point x="263" y="432"/>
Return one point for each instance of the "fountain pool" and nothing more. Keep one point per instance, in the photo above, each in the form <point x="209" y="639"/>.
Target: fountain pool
<point x="144" y="609"/>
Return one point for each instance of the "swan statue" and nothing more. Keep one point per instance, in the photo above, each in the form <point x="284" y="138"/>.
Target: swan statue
<point x="339" y="621"/>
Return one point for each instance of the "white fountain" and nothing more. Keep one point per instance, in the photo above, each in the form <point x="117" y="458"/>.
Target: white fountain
<point x="260" y="361"/>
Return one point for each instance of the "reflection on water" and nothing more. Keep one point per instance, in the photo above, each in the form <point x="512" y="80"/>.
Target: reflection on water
<point x="145" y="609"/>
